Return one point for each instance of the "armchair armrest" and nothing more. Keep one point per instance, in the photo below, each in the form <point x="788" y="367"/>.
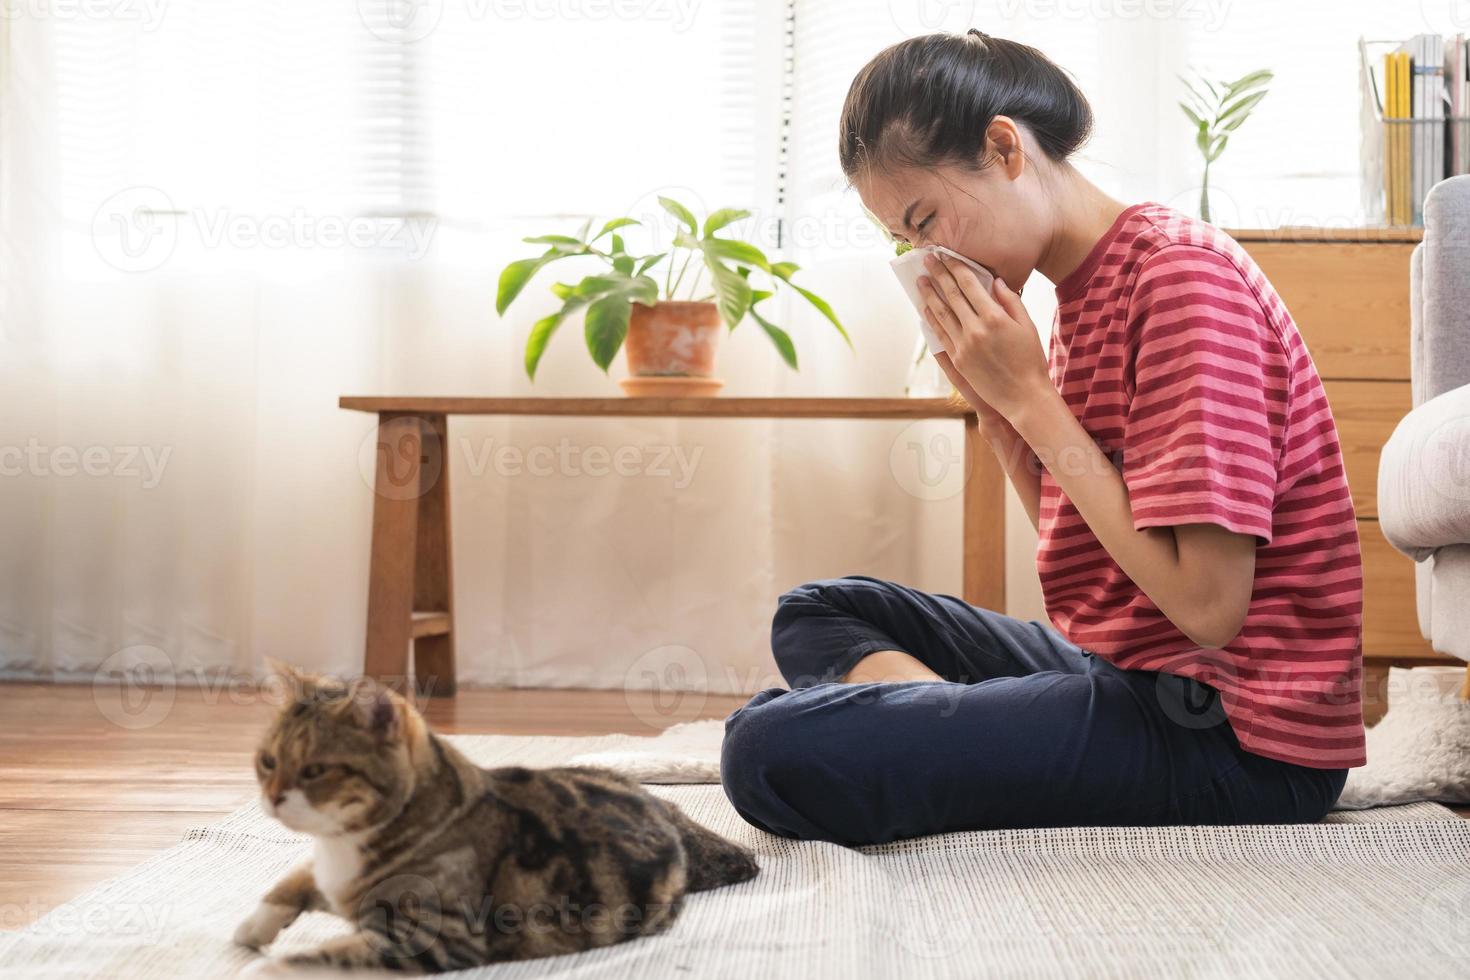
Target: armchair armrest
<point x="1424" y="477"/>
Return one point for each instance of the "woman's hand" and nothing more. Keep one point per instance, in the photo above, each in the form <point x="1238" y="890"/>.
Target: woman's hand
<point x="991" y="340"/>
<point x="993" y="425"/>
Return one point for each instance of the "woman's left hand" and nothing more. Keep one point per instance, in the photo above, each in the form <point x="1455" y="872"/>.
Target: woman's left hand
<point x="991" y="340"/>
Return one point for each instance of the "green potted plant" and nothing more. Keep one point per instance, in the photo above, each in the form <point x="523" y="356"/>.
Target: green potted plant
<point x="1217" y="109"/>
<point x="671" y="332"/>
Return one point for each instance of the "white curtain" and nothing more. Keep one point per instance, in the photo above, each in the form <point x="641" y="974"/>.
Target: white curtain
<point x="217" y="216"/>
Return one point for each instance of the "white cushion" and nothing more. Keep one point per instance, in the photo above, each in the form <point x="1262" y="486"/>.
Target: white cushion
<point x="1424" y="477"/>
<point x="1420" y="749"/>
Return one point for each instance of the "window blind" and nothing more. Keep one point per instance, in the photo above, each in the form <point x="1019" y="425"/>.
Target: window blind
<point x="486" y="112"/>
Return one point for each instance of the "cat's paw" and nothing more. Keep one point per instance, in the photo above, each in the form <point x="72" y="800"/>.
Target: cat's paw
<point x="264" y="925"/>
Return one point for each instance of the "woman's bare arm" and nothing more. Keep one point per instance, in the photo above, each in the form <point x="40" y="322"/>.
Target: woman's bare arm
<point x="1199" y="575"/>
<point x="1016" y="458"/>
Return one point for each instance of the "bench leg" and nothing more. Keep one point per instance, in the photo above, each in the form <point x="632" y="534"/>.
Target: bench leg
<point x="984" y="581"/>
<point x="433" y="581"/>
<point x="410" y="467"/>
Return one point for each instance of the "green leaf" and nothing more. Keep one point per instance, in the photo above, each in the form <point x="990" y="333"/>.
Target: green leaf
<point x="785" y="270"/>
<point x="1202" y="139"/>
<point x="779" y="337"/>
<point x="617" y="244"/>
<point x="606" y="326"/>
<point x="824" y="309"/>
<point x="649" y="261"/>
<point x="594" y="290"/>
<point x="554" y="240"/>
<point x="721" y="218"/>
<point x="1238" y="112"/>
<point x="623" y="264"/>
<point x="644" y="289"/>
<point x="613" y="225"/>
<point x="732" y="289"/>
<point x="541" y="332"/>
<point x="591" y="286"/>
<point x="1217" y="149"/>
<point x="586" y="226"/>
<point x="1205" y="106"/>
<point x="681" y="212"/>
<point x="1245" y="82"/>
<point x="513" y="278"/>
<point x="1193" y="116"/>
<point x="736" y="251"/>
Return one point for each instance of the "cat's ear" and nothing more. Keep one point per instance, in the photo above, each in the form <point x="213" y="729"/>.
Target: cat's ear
<point x="285" y="677"/>
<point x="375" y="709"/>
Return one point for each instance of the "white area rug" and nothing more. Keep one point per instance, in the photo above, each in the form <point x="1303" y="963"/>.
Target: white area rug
<point x="1363" y="894"/>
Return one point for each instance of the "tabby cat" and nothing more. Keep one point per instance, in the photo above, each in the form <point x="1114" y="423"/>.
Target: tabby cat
<point x="441" y="865"/>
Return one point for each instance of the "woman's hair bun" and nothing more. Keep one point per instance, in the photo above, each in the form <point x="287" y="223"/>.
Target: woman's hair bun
<point x="929" y="100"/>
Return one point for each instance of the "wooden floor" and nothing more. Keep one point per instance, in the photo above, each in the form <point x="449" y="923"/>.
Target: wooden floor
<point x="90" y="786"/>
<point x="84" y="798"/>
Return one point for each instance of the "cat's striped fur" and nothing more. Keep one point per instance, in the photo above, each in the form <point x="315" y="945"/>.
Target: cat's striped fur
<point x="442" y="865"/>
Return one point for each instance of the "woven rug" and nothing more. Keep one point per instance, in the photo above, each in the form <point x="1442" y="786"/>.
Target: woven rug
<point x="1362" y="894"/>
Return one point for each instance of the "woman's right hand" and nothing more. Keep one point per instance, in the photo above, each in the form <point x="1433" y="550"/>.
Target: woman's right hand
<point x="993" y="425"/>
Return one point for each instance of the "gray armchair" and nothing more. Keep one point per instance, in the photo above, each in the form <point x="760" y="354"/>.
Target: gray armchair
<point x="1424" y="472"/>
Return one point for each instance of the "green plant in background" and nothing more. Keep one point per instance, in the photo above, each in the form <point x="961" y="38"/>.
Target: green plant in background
<point x="1217" y="109"/>
<point x="608" y="296"/>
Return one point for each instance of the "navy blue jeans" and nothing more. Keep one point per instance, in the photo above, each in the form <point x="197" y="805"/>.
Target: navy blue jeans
<point x="1025" y="730"/>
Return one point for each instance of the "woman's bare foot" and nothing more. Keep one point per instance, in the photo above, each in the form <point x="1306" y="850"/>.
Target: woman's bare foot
<point x="889" y="665"/>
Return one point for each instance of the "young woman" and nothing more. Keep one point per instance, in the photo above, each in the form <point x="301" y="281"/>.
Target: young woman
<point x="1198" y="553"/>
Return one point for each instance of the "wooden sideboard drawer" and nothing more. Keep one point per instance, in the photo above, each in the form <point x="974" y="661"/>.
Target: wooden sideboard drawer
<point x="1390" y="619"/>
<point x="1366" y="413"/>
<point x="1349" y="300"/>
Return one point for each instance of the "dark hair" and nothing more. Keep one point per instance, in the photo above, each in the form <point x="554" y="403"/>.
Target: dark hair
<point x="928" y="100"/>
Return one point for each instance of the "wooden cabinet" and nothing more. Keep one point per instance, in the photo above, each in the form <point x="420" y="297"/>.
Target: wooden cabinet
<point x="1349" y="294"/>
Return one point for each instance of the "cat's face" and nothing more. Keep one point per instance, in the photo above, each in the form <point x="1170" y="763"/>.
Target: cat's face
<point x="335" y="760"/>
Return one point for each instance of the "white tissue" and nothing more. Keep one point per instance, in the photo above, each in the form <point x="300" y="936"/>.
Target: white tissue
<point x="910" y="266"/>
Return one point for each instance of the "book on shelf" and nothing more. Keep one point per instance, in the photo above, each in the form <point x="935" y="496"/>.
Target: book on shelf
<point x="1421" y="110"/>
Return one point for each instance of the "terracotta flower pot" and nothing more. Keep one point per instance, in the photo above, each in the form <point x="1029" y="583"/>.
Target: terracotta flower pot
<point x="671" y="349"/>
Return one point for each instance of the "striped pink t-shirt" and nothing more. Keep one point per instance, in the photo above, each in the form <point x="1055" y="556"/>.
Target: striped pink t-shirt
<point x="1181" y="361"/>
